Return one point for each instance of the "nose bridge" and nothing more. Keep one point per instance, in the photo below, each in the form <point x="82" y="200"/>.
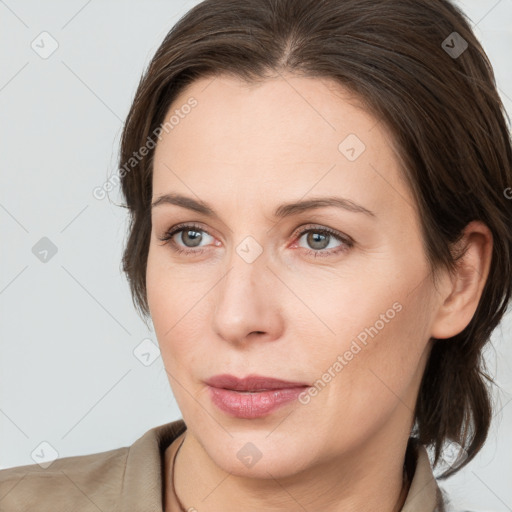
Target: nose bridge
<point x="243" y="303"/>
<point x="243" y="280"/>
<point x="247" y="257"/>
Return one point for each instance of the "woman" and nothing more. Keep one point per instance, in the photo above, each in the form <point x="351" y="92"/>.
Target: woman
<point x="320" y="234"/>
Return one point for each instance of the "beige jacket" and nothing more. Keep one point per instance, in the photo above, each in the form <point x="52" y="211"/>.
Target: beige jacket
<point x="130" y="479"/>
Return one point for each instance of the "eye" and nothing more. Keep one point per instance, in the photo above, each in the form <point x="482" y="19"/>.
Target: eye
<point x="191" y="235"/>
<point x="320" y="238"/>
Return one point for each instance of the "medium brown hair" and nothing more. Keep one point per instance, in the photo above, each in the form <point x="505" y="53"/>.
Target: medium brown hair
<point x="447" y="122"/>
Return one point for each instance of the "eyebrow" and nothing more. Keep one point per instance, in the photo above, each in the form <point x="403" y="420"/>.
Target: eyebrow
<point x="281" y="211"/>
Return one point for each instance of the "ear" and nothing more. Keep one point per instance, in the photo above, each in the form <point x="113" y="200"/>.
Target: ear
<point x="461" y="291"/>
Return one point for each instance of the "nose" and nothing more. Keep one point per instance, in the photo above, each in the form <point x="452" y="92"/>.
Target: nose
<point x="248" y="303"/>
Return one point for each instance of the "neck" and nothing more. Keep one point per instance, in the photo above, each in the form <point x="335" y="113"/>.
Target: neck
<point x="360" y="482"/>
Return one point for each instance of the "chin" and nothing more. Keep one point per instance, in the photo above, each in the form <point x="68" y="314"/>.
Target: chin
<point x="258" y="455"/>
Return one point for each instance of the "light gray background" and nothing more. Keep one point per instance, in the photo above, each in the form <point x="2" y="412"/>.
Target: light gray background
<point x="68" y="374"/>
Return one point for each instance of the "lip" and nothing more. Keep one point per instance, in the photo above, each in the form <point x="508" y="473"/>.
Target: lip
<point x="251" y="383"/>
<point x="253" y="396"/>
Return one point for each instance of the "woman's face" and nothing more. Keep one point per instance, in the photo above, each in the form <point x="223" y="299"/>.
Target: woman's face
<point x="338" y="297"/>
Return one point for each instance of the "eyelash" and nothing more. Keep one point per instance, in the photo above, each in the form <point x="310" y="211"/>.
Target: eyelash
<point x="321" y="252"/>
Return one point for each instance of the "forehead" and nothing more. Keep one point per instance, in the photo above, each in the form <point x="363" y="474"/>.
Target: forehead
<point x="290" y="133"/>
<point x="299" y="109"/>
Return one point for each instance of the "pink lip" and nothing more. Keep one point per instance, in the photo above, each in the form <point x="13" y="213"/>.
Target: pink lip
<point x="266" y="394"/>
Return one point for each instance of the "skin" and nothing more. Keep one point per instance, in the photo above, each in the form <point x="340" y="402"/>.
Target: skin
<point x="245" y="150"/>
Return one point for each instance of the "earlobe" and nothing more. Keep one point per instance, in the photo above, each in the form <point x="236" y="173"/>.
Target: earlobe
<point x="464" y="289"/>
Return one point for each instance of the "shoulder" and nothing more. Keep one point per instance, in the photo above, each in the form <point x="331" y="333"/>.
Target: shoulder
<point x="449" y="506"/>
<point x="426" y="492"/>
<point x="122" y="479"/>
<point x="70" y="483"/>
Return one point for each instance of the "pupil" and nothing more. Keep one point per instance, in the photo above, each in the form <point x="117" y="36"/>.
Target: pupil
<point x="197" y="240"/>
<point x="313" y="239"/>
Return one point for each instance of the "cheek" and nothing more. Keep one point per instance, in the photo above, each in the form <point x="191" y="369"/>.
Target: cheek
<point x="378" y="323"/>
<point x="171" y="292"/>
<point x="382" y="355"/>
<point x="177" y="303"/>
<point x="160" y="294"/>
<point x="166" y="294"/>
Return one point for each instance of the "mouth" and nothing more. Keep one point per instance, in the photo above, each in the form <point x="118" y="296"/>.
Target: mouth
<point x="253" y="396"/>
